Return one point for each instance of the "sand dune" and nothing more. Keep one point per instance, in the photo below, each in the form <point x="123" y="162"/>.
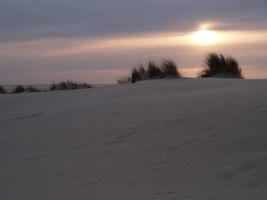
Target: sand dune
<point x="154" y="140"/>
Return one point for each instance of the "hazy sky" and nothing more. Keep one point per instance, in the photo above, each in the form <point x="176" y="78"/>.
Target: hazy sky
<point x="100" y="40"/>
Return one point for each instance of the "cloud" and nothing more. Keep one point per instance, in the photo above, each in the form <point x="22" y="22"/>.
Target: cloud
<point x="27" y="19"/>
<point x="57" y="47"/>
<point x="43" y="40"/>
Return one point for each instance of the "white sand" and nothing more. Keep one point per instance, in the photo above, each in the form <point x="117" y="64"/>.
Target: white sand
<point x="155" y="140"/>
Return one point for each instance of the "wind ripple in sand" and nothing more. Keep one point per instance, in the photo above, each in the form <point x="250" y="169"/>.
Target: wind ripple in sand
<point x="34" y="158"/>
<point x="149" y="141"/>
<point x="245" y="172"/>
<point x="28" y="116"/>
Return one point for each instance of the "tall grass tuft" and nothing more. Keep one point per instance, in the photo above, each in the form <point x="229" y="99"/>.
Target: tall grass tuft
<point x="139" y="73"/>
<point x="153" y="70"/>
<point x="169" y="68"/>
<point x="68" y="85"/>
<point x="2" y="90"/>
<point x="217" y="65"/>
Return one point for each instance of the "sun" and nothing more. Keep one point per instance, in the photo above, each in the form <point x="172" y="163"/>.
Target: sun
<point x="205" y="37"/>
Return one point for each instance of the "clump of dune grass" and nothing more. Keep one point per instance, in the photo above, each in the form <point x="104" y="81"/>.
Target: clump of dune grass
<point x="2" y="90"/>
<point x="217" y="65"/>
<point x="169" y="68"/>
<point x="140" y="73"/>
<point x="152" y="70"/>
<point x="18" y="89"/>
<point x="69" y="85"/>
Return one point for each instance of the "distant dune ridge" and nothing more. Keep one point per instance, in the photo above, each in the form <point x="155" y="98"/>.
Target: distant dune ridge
<point x="162" y="139"/>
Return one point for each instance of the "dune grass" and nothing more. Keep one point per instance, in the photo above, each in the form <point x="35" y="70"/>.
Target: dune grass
<point x="69" y="85"/>
<point x="18" y="89"/>
<point x="169" y="68"/>
<point x="217" y="65"/>
<point x="152" y="70"/>
<point x="64" y="85"/>
<point x="32" y="89"/>
<point x="2" y="90"/>
<point x="124" y="80"/>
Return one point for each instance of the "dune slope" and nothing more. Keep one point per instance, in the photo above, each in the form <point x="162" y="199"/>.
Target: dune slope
<point x="154" y="140"/>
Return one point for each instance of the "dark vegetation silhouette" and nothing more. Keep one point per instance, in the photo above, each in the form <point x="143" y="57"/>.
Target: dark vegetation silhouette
<point x="124" y="80"/>
<point x="154" y="70"/>
<point x="18" y="89"/>
<point x="68" y="85"/>
<point x="2" y="90"/>
<point x="32" y="89"/>
<point x="139" y="73"/>
<point x="21" y="89"/>
<point x="167" y="68"/>
<point x="64" y="85"/>
<point x="217" y="65"/>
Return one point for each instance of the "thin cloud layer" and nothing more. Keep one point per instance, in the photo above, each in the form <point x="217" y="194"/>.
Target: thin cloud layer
<point x="27" y="19"/>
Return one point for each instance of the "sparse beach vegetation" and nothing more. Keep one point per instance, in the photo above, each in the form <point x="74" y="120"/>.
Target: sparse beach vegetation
<point x="167" y="68"/>
<point x="2" y="90"/>
<point x="18" y="89"/>
<point x="69" y="85"/>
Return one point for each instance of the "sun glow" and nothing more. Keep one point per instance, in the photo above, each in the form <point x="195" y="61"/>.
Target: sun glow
<point x="205" y="37"/>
